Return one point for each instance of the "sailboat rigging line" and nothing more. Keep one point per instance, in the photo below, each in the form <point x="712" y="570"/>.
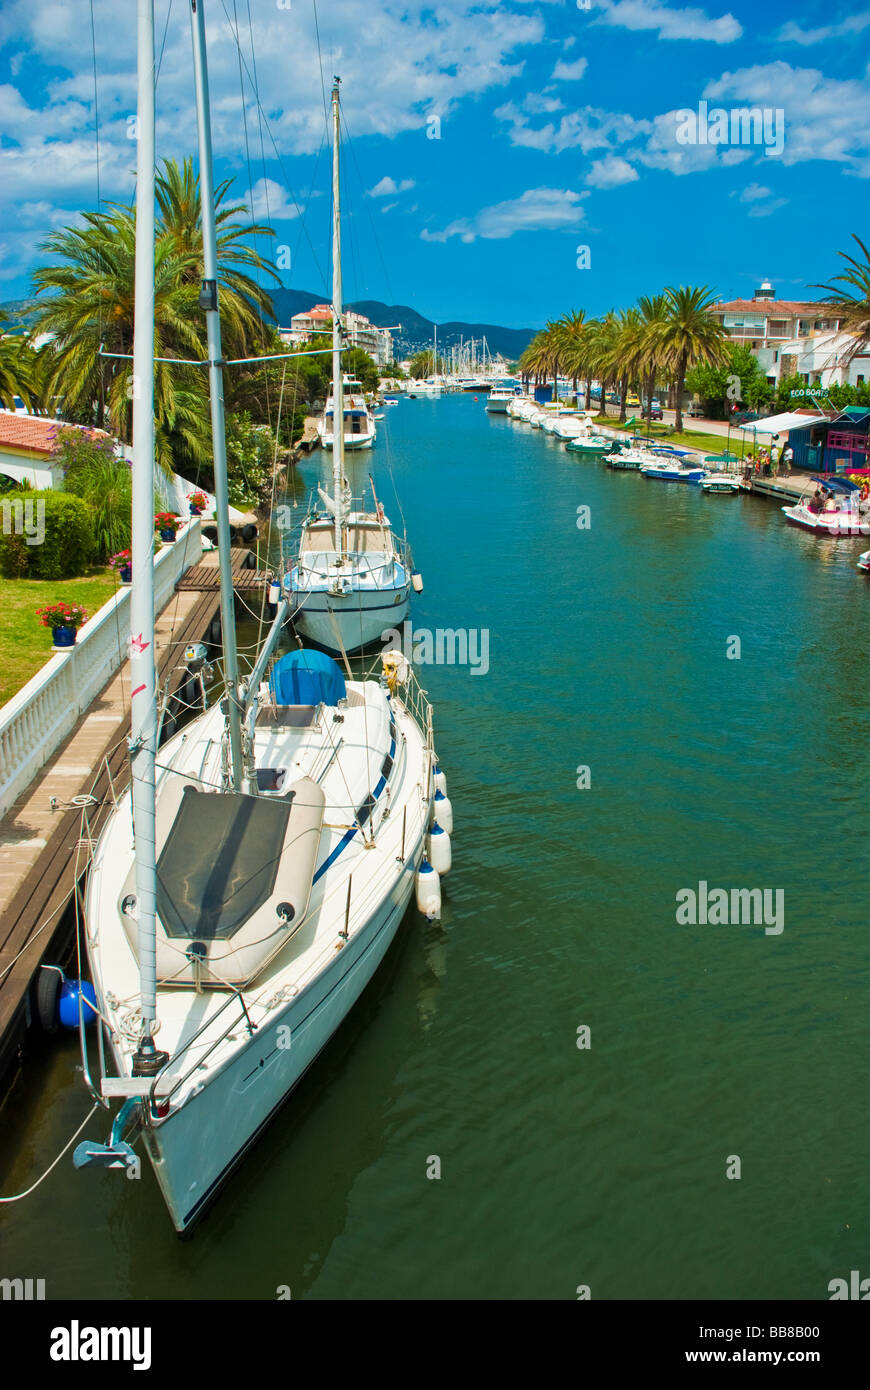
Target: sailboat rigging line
<point x="320" y="61"/>
<point x="259" y="306"/>
<point x="366" y="202"/>
<point x="277" y="152"/>
<point x="20" y="1195"/>
<point x="224" y="361"/>
<point x="162" y="45"/>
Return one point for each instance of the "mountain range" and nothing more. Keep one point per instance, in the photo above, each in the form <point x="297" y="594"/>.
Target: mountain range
<point x="415" y="331"/>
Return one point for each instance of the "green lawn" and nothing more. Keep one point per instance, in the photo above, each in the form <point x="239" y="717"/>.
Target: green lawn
<point x="689" y="439"/>
<point x="25" y="644"/>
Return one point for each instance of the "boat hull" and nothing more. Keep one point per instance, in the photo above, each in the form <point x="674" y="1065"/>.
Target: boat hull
<point x="360" y="617"/>
<point x="195" y="1150"/>
<point x="840" y="523"/>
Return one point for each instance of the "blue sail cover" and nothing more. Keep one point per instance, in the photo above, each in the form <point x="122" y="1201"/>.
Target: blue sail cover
<point x="307" y="678"/>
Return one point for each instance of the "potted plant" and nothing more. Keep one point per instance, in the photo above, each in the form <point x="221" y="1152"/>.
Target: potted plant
<point x="123" y="563"/>
<point x="64" y="619"/>
<point x="167" y="524"/>
<point x="198" y="503"/>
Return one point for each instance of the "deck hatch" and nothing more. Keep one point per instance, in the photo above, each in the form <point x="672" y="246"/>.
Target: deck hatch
<point x="219" y="862"/>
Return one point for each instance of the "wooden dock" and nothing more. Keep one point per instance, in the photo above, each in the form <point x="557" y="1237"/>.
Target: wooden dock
<point x="205" y="579"/>
<point x="45" y="838"/>
<point x="787" y="490"/>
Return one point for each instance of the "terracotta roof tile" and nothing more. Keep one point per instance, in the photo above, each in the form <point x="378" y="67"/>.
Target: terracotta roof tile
<point x="775" y="308"/>
<point x="30" y="432"/>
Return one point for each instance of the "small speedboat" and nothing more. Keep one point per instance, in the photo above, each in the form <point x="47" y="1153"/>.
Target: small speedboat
<point x="864" y="562"/>
<point x="673" y="470"/>
<point x="590" y="445"/>
<point x="724" y="483"/>
<point x="835" y="510"/>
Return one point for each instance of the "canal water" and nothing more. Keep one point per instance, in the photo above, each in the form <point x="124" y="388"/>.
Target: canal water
<point x="676" y="695"/>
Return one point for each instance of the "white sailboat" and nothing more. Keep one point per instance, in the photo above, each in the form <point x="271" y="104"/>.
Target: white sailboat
<point x="352" y="576"/>
<point x="244" y="892"/>
<point x="360" y="430"/>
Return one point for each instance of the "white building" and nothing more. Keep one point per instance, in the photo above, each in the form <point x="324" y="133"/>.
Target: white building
<point x="361" y="332"/>
<point x="771" y="326"/>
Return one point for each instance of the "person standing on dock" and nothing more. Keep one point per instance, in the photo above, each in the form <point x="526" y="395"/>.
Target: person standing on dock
<point x="785" y="459"/>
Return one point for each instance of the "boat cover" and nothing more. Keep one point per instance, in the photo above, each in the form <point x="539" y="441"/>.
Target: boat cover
<point x="307" y="678"/>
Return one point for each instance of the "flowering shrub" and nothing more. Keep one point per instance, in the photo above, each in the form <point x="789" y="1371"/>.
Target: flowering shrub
<point x="62" y="615"/>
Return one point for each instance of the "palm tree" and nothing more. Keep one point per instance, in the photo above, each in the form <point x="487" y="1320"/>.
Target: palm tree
<point x="653" y="310"/>
<point x="91" y="281"/>
<point x="601" y="339"/>
<point x="689" y="336"/>
<point x="19" y="370"/>
<point x="626" y="353"/>
<point x="853" y="309"/>
<point x="570" y="335"/>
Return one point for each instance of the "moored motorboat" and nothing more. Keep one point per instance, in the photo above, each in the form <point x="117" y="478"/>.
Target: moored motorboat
<point x="835" y="509"/>
<point x="665" y="470"/>
<point x="724" y="483"/>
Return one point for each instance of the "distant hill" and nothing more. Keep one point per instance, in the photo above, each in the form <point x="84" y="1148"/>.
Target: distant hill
<point x="17" y="311"/>
<point x="416" y="331"/>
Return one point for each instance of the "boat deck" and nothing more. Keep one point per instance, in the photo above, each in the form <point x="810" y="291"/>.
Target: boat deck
<point x="42" y="852"/>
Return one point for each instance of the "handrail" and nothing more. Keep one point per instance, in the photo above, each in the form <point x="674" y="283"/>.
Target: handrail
<point x="252" y="1028"/>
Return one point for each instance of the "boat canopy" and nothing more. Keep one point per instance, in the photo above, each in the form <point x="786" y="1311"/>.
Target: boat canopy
<point x="307" y="678"/>
<point x="837" y="484"/>
<point x="781" y="424"/>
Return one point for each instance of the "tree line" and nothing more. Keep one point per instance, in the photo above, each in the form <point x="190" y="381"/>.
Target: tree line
<point x="672" y="340"/>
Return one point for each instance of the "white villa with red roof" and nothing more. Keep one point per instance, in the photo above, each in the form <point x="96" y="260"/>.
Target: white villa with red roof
<point x="793" y="337"/>
<point x="26" y="445"/>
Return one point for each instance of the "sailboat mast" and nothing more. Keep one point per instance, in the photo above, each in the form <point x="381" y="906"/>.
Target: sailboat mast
<point x="208" y="300"/>
<point x="337" y="381"/>
<point x="143" y="675"/>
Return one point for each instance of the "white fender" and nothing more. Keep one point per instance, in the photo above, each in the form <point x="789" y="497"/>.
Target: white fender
<point x="440" y="851"/>
<point x="443" y="812"/>
<point x="428" y="887"/>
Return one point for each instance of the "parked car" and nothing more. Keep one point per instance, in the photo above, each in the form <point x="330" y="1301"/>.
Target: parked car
<point x="695" y="411"/>
<point x="745" y="417"/>
<point x="655" y="411"/>
<point x="612" y="398"/>
<point x="632" y="400"/>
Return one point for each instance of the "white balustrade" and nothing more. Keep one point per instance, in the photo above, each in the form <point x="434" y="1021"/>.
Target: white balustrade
<point x="40" y="716"/>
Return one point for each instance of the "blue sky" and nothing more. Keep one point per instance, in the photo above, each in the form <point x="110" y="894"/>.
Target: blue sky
<point x="559" y="128"/>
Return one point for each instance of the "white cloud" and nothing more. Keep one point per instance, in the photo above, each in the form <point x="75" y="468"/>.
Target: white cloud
<point x="272" y="203"/>
<point x="825" y="118"/>
<point x="570" y="72"/>
<point x="588" y="128"/>
<point x="611" y="171"/>
<point x="760" y="199"/>
<point x="793" y="33"/>
<point x="404" y="63"/>
<point x="765" y="209"/>
<point x="668" y="23"/>
<point x="387" y="185"/>
<point x="753" y="191"/>
<point x="536" y="210"/>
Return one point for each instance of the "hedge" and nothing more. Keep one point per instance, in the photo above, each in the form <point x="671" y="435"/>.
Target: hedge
<point x="67" y="546"/>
